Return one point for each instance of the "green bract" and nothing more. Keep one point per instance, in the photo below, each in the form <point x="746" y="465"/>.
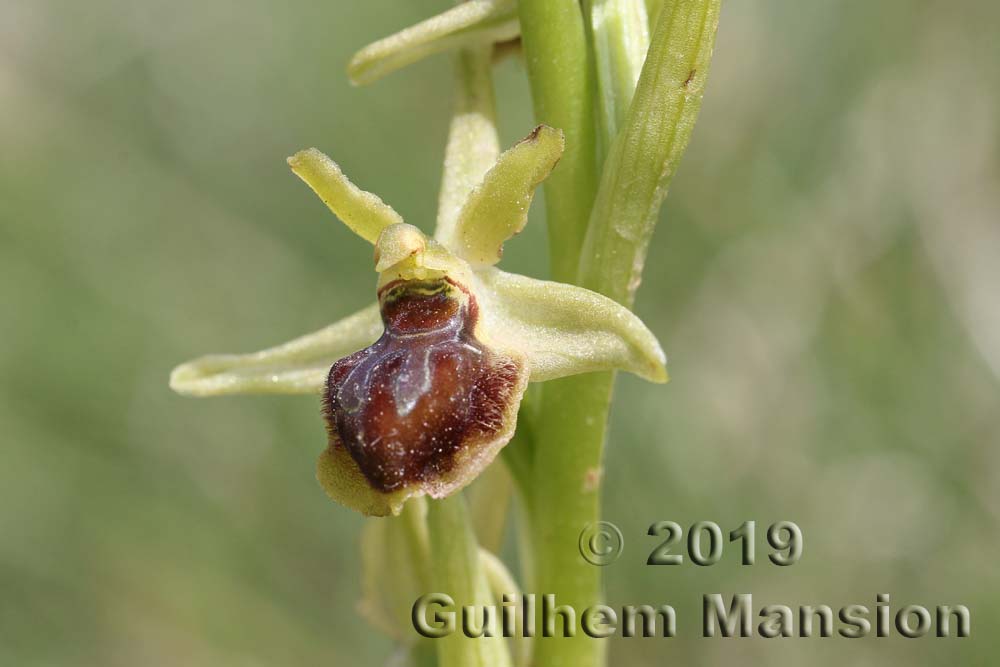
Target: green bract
<point x="421" y="389"/>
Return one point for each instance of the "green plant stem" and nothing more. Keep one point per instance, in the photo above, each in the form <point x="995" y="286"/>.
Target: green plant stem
<point x="599" y="243"/>
<point x="570" y="430"/>
<point x="563" y="89"/>
<point x="566" y="497"/>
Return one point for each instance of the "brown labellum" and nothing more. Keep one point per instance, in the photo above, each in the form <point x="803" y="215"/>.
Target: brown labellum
<point x="424" y="399"/>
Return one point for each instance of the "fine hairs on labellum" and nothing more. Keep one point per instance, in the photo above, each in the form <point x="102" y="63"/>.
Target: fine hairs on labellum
<point x="426" y="389"/>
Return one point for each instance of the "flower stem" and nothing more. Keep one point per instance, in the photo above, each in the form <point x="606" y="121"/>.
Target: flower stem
<point x="643" y="155"/>
<point x="570" y="431"/>
<point x="570" y="441"/>
<point x="563" y="88"/>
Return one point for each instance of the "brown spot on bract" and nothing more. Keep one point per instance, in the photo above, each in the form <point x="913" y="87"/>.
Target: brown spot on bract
<point x="426" y="391"/>
<point x="687" y="81"/>
<point x="533" y="135"/>
<point x="592" y="479"/>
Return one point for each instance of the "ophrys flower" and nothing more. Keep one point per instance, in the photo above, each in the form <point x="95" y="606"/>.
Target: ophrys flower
<point x="421" y="389"/>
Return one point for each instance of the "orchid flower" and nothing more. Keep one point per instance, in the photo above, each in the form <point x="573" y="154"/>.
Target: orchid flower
<point x="420" y="390"/>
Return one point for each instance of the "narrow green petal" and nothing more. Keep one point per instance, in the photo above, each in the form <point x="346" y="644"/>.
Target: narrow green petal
<point x="364" y="213"/>
<point x="469" y="23"/>
<point x="560" y="69"/>
<point x="296" y="367"/>
<point x="498" y="207"/>
<point x="564" y="329"/>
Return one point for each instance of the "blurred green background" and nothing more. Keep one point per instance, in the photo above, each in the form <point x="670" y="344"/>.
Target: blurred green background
<point x="826" y="283"/>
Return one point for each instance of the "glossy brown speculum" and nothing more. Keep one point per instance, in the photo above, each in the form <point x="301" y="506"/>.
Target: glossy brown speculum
<point x="408" y="407"/>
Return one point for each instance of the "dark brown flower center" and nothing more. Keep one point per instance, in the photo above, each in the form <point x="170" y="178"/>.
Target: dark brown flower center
<point x="407" y="405"/>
